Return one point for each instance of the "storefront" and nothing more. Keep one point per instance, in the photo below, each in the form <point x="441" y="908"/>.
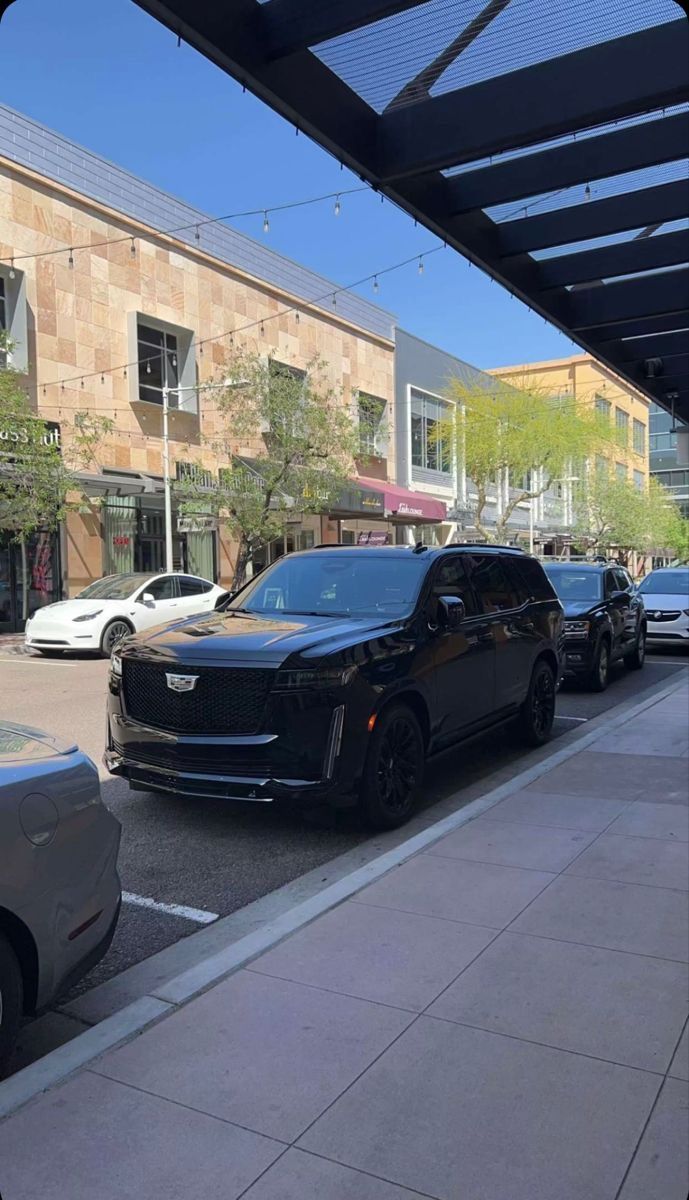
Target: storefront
<point x="386" y="514"/>
<point x="29" y="577"/>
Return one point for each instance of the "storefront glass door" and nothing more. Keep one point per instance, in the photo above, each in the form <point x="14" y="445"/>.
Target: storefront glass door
<point x="29" y="578"/>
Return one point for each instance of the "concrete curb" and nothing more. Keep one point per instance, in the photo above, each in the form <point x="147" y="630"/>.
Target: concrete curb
<point x="55" y="1067"/>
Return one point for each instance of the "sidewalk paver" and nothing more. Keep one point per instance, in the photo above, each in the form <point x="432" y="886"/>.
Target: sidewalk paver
<point x="653" y="821"/>
<point x="616" y="916"/>
<point x="679" y="1068"/>
<point x="481" y="893"/>
<point x="649" y="861"/>
<point x="465" y="1113"/>
<point x="265" y="1053"/>
<point x="94" y="1139"/>
<point x="378" y="954"/>
<point x="302" y="1176"/>
<point x="659" y="779"/>
<point x="661" y="1165"/>
<point x="590" y="813"/>
<point x="514" y="845"/>
<point x="624" y="1008"/>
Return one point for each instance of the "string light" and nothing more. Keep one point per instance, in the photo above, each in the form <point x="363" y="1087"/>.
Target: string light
<point x="376" y="285"/>
<point x="266" y="222"/>
<point x="262" y="329"/>
<point x="296" y="316"/>
<point x="148" y="368"/>
<point x="70" y="260"/>
<point x="132" y="250"/>
<point x="11" y="268"/>
<point x="338" y="207"/>
<point x="197" y="234"/>
<point x="587" y="192"/>
<point x="421" y="264"/>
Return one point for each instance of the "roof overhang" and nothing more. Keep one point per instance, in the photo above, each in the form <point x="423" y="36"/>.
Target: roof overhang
<point x="564" y="177"/>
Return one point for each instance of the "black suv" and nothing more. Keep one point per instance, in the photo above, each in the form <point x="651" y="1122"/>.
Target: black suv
<point x="333" y="674"/>
<point x="605" y="619"/>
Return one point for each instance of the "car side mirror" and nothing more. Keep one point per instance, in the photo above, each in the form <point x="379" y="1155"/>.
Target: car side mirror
<point x="223" y="599"/>
<point x="148" y="599"/>
<point x="451" y="612"/>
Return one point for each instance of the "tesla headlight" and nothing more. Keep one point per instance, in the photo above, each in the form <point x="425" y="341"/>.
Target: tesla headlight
<point x="116" y="664"/>
<point x="89" y="616"/>
<point x="577" y="628"/>
<point x="327" y="677"/>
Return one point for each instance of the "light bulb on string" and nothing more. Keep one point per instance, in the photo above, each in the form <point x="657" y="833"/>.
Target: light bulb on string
<point x="11" y="271"/>
<point x="148" y="367"/>
<point x="421" y="264"/>
<point x="70" y="260"/>
<point x="266" y="223"/>
<point x="197" y="235"/>
<point x="174" y="360"/>
<point x="262" y="329"/>
<point x="132" y="250"/>
<point x="338" y="207"/>
<point x="296" y="317"/>
<point x="124" y="375"/>
<point x="587" y="192"/>
<point x="102" y="377"/>
<point x="376" y="285"/>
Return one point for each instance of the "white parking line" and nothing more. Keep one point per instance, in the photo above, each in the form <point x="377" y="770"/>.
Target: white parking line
<point x="199" y="915"/>
<point x="562" y="717"/>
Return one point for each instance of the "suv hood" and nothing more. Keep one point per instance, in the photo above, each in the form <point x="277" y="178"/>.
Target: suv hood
<point x="234" y="636"/>
<point x="580" y="608"/>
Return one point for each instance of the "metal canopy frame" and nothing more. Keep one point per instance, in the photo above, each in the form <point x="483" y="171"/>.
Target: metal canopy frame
<point x="606" y="262"/>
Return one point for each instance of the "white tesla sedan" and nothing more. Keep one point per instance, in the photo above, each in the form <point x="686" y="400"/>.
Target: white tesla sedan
<point x="111" y="608"/>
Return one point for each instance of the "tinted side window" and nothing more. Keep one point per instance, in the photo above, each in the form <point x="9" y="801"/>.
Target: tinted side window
<point x="623" y="580"/>
<point x="161" y="589"/>
<point x="189" y="586"/>
<point x="611" y="585"/>
<point x="490" y="580"/>
<point x="535" y="582"/>
<point x="450" y="579"/>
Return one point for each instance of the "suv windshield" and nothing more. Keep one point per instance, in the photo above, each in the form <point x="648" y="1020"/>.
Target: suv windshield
<point x="360" y="585"/>
<point x="113" y="587"/>
<point x="573" y="584"/>
<point x="669" y="583"/>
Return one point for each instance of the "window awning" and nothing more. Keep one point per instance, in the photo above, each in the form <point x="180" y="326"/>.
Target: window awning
<point x="409" y="508"/>
<point x="116" y="483"/>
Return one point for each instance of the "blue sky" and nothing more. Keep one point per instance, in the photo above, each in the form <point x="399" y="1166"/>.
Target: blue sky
<point x="113" y="79"/>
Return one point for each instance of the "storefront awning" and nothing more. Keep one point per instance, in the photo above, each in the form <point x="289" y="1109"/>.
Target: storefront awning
<point x="409" y="508"/>
<point x="116" y="483"/>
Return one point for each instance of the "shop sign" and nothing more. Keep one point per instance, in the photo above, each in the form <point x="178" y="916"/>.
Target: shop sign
<point x="408" y="510"/>
<point x="19" y="437"/>
<point x="198" y="523"/>
<point x="374" y="537"/>
<point x="359" y="500"/>
<point x="121" y="539"/>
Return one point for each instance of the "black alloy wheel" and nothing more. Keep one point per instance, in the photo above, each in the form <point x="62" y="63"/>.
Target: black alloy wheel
<point x="394" y="769"/>
<point x="112" y="634"/>
<point x="600" y="672"/>
<point x="538" y="712"/>
<point x="637" y="658"/>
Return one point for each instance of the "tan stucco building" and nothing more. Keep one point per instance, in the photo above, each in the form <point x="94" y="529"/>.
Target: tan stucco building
<point x="84" y="320"/>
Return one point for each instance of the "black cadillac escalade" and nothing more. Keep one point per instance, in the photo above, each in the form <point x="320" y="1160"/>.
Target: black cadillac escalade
<point x="333" y="675"/>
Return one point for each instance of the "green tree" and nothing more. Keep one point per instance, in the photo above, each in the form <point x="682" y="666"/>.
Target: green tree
<point x="522" y="435"/>
<point x="303" y="444"/>
<point x="612" y="513"/>
<point x="37" y="480"/>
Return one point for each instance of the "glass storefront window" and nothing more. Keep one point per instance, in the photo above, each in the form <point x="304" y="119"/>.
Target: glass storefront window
<point x="119" y="534"/>
<point x="29" y="577"/>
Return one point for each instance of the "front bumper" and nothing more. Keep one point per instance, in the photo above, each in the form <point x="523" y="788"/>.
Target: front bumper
<point x="49" y="635"/>
<point x="578" y="657"/>
<point x="668" y="631"/>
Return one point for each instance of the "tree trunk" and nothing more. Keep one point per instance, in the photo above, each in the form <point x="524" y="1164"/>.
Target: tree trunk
<point x="242" y="562"/>
<point x="25" y="582"/>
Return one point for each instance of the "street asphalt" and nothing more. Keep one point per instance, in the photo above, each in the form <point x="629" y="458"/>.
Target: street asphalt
<point x="184" y="863"/>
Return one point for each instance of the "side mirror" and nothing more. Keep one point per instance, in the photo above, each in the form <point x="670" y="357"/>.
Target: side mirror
<point x="148" y="599"/>
<point x="223" y="599"/>
<point x="451" y="612"/>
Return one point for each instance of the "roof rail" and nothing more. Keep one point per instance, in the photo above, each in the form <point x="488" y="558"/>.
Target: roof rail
<point x="488" y="546"/>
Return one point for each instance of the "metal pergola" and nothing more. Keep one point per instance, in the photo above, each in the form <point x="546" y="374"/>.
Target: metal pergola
<point x="546" y="140"/>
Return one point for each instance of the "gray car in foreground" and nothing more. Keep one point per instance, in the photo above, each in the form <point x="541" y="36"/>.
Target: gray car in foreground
<point x="59" y="887"/>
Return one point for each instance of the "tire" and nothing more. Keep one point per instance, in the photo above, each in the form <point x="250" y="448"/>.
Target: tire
<point x="113" y="633"/>
<point x="538" y="710"/>
<point x="11" y="1001"/>
<point x="600" y="671"/>
<point x="393" y="770"/>
<point x="637" y="658"/>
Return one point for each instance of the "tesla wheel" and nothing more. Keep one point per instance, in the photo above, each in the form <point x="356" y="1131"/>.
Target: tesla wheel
<point x="637" y="658"/>
<point x="393" y="770"/>
<point x="538" y="711"/>
<point x="600" y="671"/>
<point x="112" y="634"/>
<point x="11" y="999"/>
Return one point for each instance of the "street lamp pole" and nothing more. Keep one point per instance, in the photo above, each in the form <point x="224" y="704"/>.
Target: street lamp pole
<point x="166" y="480"/>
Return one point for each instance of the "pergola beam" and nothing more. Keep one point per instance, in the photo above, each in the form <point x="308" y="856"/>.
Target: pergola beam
<point x="622" y="258"/>
<point x="651" y="296"/>
<point x="579" y="162"/>
<point x="292" y="25"/>
<point x="660" y="345"/>
<point x="596" y="218"/>
<point x="601" y="83"/>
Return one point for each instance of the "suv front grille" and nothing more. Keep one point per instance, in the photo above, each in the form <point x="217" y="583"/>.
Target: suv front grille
<point x="225" y="700"/>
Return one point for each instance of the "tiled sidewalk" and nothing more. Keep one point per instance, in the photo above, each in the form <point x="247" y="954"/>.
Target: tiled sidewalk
<point x="503" y="1017"/>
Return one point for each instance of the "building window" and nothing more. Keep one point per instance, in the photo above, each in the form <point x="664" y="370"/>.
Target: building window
<point x="603" y="407"/>
<point x="602" y="465"/>
<point x="639" y="480"/>
<point x="13" y="318"/>
<point x="158" y="365"/>
<point x="639" y="437"/>
<point x="3" y="321"/>
<point x="371" y="409"/>
<point x="621" y="471"/>
<point x="430" y="440"/>
<point x="622" y="426"/>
